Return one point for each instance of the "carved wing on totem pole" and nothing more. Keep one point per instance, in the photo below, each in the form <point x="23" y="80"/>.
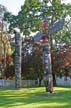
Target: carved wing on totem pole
<point x="53" y="29"/>
<point x="56" y="27"/>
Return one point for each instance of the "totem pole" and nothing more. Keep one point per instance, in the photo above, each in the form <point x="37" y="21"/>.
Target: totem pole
<point x="17" y="60"/>
<point x="44" y="38"/>
<point x="45" y="42"/>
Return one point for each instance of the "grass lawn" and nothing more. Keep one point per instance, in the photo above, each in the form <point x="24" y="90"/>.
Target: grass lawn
<point x="29" y="98"/>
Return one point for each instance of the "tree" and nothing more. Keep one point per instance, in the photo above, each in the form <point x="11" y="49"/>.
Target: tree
<point x="32" y="12"/>
<point x="11" y="20"/>
<point x="4" y="37"/>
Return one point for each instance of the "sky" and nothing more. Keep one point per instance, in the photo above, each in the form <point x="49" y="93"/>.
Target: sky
<point x="14" y="6"/>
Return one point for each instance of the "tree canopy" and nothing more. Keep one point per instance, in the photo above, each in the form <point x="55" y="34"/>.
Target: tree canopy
<point x="34" y="11"/>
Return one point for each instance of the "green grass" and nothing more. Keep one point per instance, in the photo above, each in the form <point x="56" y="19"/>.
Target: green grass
<point x="28" y="98"/>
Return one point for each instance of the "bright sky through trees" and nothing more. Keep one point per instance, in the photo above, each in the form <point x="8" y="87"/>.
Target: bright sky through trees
<point x="15" y="5"/>
<point x="12" y="5"/>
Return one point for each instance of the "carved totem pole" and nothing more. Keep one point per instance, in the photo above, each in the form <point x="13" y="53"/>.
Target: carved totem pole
<point x="45" y="42"/>
<point x="18" y="46"/>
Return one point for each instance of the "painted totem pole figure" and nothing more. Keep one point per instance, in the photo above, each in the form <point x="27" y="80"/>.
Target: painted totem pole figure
<point x="48" y="80"/>
<point x="43" y="37"/>
<point x="17" y="58"/>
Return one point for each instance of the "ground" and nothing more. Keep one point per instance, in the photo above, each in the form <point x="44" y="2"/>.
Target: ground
<point x="35" y="97"/>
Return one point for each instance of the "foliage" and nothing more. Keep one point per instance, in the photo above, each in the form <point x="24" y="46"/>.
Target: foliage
<point x="4" y="40"/>
<point x="11" y="20"/>
<point x="31" y="60"/>
<point x="32" y="12"/>
<point x="7" y="70"/>
<point x="32" y="66"/>
<point x="61" y="61"/>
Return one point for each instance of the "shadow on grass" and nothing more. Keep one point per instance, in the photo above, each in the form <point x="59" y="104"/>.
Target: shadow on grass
<point x="13" y="98"/>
